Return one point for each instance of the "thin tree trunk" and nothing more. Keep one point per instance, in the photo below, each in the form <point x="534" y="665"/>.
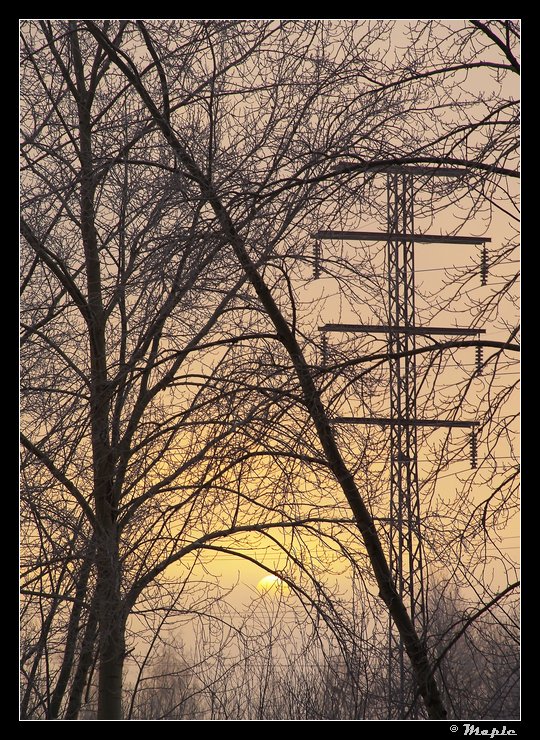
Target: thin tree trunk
<point x="71" y="638"/>
<point x="86" y="656"/>
<point x="30" y="681"/>
<point x="45" y="628"/>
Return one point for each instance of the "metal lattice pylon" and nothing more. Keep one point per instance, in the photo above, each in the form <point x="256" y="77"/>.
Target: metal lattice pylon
<point x="405" y="534"/>
<point x="406" y="560"/>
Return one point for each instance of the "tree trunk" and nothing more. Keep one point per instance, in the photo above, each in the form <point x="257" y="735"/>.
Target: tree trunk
<point x="31" y="677"/>
<point x="86" y="655"/>
<point x="71" y="638"/>
<point x="108" y="596"/>
<point x="111" y="629"/>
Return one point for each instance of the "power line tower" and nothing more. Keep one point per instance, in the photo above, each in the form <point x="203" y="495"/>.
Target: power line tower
<point x="405" y="530"/>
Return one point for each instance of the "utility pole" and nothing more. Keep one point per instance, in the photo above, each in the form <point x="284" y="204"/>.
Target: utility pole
<point x="405" y="533"/>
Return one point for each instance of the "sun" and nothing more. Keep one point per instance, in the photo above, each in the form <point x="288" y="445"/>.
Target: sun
<point x="273" y="585"/>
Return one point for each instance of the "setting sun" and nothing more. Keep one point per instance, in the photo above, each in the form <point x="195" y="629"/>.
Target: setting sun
<point x="274" y="585"/>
